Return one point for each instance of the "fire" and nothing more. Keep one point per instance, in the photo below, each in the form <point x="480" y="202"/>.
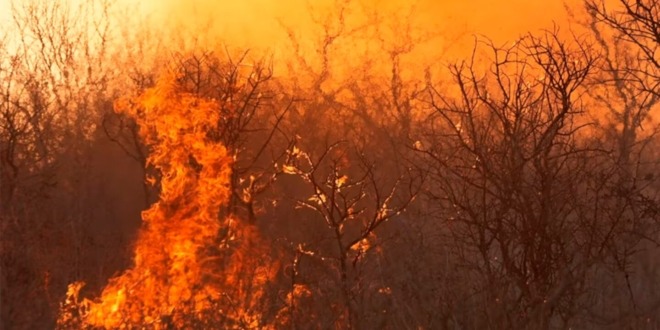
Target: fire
<point x="187" y="258"/>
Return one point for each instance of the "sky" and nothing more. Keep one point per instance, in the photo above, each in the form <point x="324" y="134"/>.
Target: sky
<point x="259" y="23"/>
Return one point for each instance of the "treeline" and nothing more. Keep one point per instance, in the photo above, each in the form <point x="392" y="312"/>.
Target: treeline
<point x="514" y="189"/>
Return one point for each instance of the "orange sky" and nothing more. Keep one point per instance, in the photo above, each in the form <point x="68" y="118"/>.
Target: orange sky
<point x="255" y="22"/>
<point x="258" y="24"/>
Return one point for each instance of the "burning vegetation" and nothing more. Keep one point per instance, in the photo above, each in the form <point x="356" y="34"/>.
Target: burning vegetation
<point x="358" y="174"/>
<point x="185" y="243"/>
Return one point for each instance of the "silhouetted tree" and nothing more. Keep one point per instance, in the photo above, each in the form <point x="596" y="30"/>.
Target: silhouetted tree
<point x="526" y="196"/>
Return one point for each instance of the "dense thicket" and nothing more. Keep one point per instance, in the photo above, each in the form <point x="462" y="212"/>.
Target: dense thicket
<point x="514" y="189"/>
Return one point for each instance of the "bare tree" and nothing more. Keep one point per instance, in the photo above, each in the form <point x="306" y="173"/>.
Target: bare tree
<point x="352" y="198"/>
<point x="625" y="85"/>
<point x="519" y="184"/>
<point x="363" y="108"/>
<point x="636" y="22"/>
<point x="53" y="73"/>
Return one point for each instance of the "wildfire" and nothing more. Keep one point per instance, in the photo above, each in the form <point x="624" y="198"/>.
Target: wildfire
<point x="187" y="258"/>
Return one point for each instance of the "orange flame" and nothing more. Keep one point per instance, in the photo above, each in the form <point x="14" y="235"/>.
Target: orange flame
<point x="184" y="247"/>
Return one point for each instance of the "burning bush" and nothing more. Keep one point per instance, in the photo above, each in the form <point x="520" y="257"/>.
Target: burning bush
<point x="187" y="256"/>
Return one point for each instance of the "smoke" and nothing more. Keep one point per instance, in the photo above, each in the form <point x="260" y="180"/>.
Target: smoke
<point x="259" y="23"/>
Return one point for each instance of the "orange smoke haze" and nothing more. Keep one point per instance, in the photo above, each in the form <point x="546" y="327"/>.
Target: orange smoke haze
<point x="205" y="91"/>
<point x="258" y="23"/>
<point x="441" y="31"/>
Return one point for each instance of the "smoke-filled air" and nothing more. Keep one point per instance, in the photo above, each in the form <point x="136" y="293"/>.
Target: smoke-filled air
<point x="334" y="164"/>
